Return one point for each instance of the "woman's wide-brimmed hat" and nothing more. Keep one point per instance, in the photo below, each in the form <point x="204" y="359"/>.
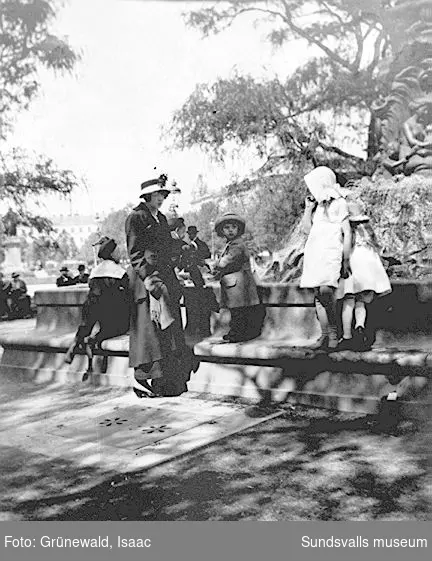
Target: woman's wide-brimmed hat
<point x="357" y="213"/>
<point x="229" y="217"/>
<point x="157" y="185"/>
<point x="107" y="246"/>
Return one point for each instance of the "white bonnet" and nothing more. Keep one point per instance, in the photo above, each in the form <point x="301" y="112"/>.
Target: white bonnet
<point x="322" y="184"/>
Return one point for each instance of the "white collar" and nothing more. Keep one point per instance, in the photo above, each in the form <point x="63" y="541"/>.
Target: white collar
<point x="107" y="269"/>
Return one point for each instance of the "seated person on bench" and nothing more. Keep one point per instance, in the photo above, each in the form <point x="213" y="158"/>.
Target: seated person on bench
<point x="107" y="303"/>
<point x="19" y="300"/>
<point x="65" y="278"/>
<point x="5" y="288"/>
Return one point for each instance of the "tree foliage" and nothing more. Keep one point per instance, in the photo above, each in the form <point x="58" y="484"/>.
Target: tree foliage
<point x="353" y="42"/>
<point x="50" y="247"/>
<point x="272" y="117"/>
<point x="24" y="180"/>
<point x="27" y="44"/>
<point x="270" y="206"/>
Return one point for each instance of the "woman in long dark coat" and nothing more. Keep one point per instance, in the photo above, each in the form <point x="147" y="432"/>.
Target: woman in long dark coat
<point x="157" y="350"/>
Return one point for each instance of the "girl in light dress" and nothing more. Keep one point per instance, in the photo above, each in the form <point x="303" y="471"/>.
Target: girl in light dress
<point x="327" y="250"/>
<point x="368" y="279"/>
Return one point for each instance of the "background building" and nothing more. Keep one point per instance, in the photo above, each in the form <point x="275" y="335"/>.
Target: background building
<point x="78" y="226"/>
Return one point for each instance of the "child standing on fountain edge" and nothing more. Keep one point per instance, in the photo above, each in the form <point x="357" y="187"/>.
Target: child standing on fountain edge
<point x="238" y="289"/>
<point x="367" y="280"/>
<point x="327" y="250"/>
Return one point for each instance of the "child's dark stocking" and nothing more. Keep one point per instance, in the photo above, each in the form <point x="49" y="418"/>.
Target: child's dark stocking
<point x="238" y="325"/>
<point x="326" y="297"/>
<point x="323" y="321"/>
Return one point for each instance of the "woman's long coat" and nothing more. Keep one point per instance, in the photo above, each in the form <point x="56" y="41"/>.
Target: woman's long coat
<point x="143" y="232"/>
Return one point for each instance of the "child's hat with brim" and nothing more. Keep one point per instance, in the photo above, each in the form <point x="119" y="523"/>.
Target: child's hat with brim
<point x="229" y="217"/>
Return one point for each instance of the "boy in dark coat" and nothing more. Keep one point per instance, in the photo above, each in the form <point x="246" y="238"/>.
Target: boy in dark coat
<point x="197" y="256"/>
<point x="5" y="288"/>
<point x="82" y="277"/>
<point x="180" y="248"/>
<point x="238" y="288"/>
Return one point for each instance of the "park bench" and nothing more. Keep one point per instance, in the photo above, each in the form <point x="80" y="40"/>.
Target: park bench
<point x="277" y="366"/>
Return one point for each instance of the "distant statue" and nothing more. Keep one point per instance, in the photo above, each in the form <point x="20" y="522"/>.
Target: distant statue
<point x="417" y="138"/>
<point x="10" y="223"/>
<point x="402" y="122"/>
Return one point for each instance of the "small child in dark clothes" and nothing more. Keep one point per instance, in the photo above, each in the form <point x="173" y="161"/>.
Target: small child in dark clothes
<point x="238" y="288"/>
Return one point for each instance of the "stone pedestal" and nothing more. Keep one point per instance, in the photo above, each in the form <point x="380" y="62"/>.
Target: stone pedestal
<point x="12" y="252"/>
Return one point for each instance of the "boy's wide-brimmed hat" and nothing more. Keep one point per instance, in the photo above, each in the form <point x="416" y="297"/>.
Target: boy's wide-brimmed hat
<point x="229" y="217"/>
<point x="155" y="185"/>
<point x="107" y="246"/>
<point x="192" y="229"/>
<point x="356" y="212"/>
<point x="64" y="269"/>
<point x="15" y="275"/>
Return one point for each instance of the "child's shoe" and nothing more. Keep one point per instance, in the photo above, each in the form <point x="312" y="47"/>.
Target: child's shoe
<point x="360" y="340"/>
<point x="345" y="345"/>
<point x="234" y="339"/>
<point x="70" y="355"/>
<point x="333" y="340"/>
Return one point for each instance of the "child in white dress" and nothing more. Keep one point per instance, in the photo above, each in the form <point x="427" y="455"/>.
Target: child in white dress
<point x="368" y="279"/>
<point x="327" y="250"/>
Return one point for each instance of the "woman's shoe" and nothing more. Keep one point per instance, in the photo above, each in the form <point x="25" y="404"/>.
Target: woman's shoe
<point x="140" y="393"/>
<point x="148" y="391"/>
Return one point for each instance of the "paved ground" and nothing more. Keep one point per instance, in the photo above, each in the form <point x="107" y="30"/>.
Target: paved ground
<point x="75" y="453"/>
<point x="108" y="432"/>
<point x="113" y="429"/>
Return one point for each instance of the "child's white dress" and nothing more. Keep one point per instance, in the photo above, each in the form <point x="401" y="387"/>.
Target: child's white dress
<point x="324" y="247"/>
<point x="368" y="273"/>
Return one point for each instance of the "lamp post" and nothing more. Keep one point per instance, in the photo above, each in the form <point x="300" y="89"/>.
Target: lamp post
<point x="212" y="239"/>
<point x="174" y="192"/>
<point x="97" y="222"/>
